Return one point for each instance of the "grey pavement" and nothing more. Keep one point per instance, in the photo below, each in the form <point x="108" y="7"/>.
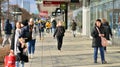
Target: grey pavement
<point x="76" y="52"/>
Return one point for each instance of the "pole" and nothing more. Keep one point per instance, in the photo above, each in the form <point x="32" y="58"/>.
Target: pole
<point x="8" y="10"/>
<point x="66" y="15"/>
<point x="0" y="19"/>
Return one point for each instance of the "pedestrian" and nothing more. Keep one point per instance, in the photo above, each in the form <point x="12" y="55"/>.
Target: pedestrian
<point x="59" y="33"/>
<point x="8" y="32"/>
<point x="16" y="43"/>
<point x="73" y="27"/>
<point x="41" y="29"/>
<point x="48" y="26"/>
<point x="54" y="23"/>
<point x="108" y="31"/>
<point x="31" y="42"/>
<point x="96" y="42"/>
<point x="22" y="47"/>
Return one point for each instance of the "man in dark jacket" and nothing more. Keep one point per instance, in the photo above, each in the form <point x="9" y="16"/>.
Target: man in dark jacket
<point x="8" y="32"/>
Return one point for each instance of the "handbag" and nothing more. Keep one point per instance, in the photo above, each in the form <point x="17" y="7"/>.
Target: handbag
<point x="104" y="41"/>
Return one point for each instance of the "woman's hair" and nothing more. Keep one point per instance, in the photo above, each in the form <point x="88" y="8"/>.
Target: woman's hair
<point x="98" y="20"/>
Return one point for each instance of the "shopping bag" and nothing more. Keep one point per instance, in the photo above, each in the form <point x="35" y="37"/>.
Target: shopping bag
<point x="9" y="61"/>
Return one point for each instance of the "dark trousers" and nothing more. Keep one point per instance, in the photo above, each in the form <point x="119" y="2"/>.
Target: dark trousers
<point x="59" y="42"/>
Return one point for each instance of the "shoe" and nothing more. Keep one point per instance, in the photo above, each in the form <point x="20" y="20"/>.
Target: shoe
<point x="95" y="61"/>
<point x="104" y="62"/>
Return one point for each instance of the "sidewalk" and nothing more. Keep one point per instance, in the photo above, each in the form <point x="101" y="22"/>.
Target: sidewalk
<point x="76" y="52"/>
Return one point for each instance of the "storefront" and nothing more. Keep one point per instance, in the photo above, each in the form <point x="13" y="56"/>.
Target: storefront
<point x="110" y="10"/>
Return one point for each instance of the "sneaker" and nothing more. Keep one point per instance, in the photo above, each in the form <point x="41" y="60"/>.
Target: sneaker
<point x="104" y="62"/>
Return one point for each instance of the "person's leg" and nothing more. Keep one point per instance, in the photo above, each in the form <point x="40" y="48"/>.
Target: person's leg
<point x="102" y="55"/>
<point x="95" y="54"/>
<point x="29" y="48"/>
<point x="61" y="41"/>
<point x="40" y="33"/>
<point x="33" y="46"/>
<point x="4" y="40"/>
<point x="58" y="42"/>
<point x="17" y="64"/>
<point x="22" y="63"/>
<point x="9" y="39"/>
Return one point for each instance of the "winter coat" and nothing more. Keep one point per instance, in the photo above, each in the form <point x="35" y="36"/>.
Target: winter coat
<point x="96" y="42"/>
<point x="73" y="26"/>
<point x="108" y="31"/>
<point x="59" y="31"/>
<point x="8" y="27"/>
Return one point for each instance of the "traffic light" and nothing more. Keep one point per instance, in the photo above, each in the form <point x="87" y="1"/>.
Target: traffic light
<point x="74" y="1"/>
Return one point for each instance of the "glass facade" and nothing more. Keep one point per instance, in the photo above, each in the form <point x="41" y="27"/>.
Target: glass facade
<point x="110" y="10"/>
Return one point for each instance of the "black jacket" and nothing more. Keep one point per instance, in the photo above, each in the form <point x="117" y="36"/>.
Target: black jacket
<point x="8" y="27"/>
<point x="59" y="31"/>
<point x="96" y="42"/>
<point x="108" y="31"/>
<point x="73" y="25"/>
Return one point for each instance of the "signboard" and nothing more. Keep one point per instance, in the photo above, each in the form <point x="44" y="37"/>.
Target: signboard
<point x="52" y="3"/>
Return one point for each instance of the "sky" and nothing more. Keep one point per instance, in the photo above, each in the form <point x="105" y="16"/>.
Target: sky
<point x="33" y="6"/>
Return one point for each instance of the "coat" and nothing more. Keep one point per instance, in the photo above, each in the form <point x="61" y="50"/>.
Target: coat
<point x="59" y="31"/>
<point x="73" y="26"/>
<point x="8" y="27"/>
<point x="96" y="42"/>
<point x="108" y="31"/>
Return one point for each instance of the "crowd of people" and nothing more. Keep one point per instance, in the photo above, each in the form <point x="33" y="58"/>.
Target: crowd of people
<point x="22" y="37"/>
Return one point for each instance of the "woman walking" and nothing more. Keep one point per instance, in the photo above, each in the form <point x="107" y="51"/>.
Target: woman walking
<point x="59" y="33"/>
<point x="96" y="43"/>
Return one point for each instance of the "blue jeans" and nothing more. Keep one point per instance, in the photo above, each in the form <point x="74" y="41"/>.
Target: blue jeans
<point x="19" y="63"/>
<point x="31" y="46"/>
<point x="101" y="53"/>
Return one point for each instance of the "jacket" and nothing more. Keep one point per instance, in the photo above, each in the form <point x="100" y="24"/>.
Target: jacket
<point x="60" y="30"/>
<point x="96" y="42"/>
<point x="8" y="27"/>
<point x="108" y="31"/>
<point x="73" y="26"/>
